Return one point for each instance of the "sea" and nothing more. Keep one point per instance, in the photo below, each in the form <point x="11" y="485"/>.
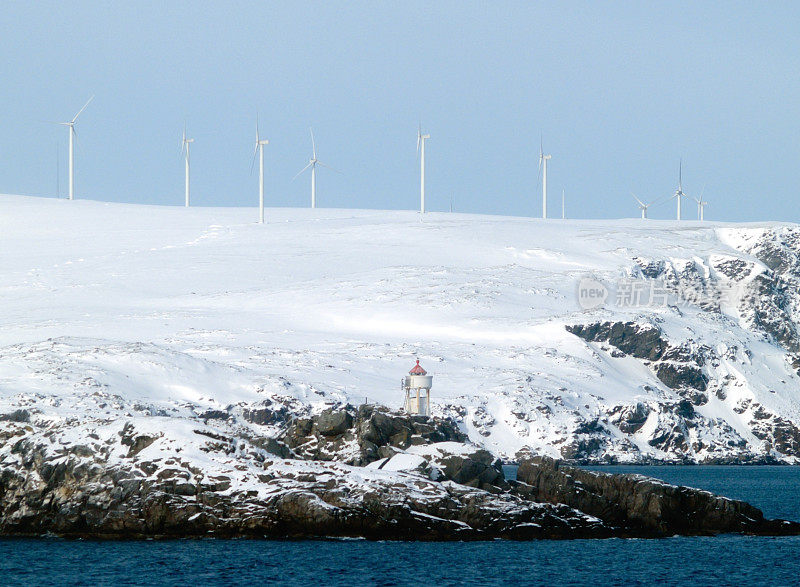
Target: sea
<point x="719" y="560"/>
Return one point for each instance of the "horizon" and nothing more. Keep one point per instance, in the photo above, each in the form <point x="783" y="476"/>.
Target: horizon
<point x="434" y="214"/>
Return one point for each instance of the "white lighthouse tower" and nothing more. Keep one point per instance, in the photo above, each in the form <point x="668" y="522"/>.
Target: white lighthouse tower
<point x="417" y="387"/>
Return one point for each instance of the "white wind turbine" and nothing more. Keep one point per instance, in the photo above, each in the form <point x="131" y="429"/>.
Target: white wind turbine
<point x="185" y="150"/>
<point x="643" y="207"/>
<point x="679" y="194"/>
<point x="71" y="125"/>
<point x="312" y="163"/>
<point x="259" y="150"/>
<point x="543" y="159"/>
<point x="701" y="204"/>
<point x="421" y="138"/>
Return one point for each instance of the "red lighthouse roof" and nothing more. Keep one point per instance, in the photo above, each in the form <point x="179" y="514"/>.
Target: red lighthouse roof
<point x="417" y="370"/>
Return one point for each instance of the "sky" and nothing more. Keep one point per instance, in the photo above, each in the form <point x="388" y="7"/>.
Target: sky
<point x="618" y="93"/>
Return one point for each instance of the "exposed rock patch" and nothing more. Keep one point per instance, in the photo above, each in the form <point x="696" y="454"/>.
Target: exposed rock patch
<point x="361" y="435"/>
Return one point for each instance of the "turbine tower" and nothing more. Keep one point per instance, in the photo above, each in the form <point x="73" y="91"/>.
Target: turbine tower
<point x="71" y="125"/>
<point x="679" y="194"/>
<point x="563" y="206"/>
<point x="543" y="159"/>
<point x="185" y="149"/>
<point x="421" y="138"/>
<point x="312" y="163"/>
<point x="259" y="150"/>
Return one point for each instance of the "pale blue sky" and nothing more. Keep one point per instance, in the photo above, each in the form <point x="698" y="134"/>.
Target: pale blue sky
<point x="620" y="91"/>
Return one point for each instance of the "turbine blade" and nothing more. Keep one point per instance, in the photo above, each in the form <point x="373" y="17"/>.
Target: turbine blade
<point x="660" y="200"/>
<point x="328" y="166"/>
<point x="299" y="173"/>
<point x="82" y="109"/>
<point x="253" y="162"/>
<point x="539" y="171"/>
<point x="638" y="200"/>
<point x="313" y="144"/>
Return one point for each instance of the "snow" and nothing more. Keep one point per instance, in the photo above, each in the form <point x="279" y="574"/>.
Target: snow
<point x="401" y="462"/>
<point x="117" y="312"/>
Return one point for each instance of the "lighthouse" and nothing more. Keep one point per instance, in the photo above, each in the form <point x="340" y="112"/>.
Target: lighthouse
<point x="417" y="388"/>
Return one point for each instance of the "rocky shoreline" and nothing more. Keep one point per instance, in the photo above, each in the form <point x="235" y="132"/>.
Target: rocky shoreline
<point x="365" y="473"/>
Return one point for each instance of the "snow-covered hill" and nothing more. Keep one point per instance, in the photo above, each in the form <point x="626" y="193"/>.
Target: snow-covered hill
<point x="166" y="317"/>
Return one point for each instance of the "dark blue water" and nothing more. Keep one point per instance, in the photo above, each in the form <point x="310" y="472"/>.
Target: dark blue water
<point x="722" y="560"/>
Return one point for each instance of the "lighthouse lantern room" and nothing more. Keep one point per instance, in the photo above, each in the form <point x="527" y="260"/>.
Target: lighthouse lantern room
<point x="417" y="388"/>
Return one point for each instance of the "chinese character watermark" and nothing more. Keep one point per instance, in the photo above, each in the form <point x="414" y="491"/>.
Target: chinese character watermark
<point x="658" y="293"/>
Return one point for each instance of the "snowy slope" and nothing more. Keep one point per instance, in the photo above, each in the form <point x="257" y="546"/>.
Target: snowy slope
<point x="115" y="311"/>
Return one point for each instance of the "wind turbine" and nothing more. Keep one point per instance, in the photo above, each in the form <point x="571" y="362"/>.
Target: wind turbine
<point x="421" y="138"/>
<point x="259" y="149"/>
<point x="312" y="163"/>
<point x="701" y="204"/>
<point x="563" y="206"/>
<point x="642" y="206"/>
<point x="72" y="135"/>
<point x="185" y="149"/>
<point x="543" y="159"/>
<point x="679" y="192"/>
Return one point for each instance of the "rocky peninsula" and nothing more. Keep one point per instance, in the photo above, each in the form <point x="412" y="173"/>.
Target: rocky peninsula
<point x="345" y="472"/>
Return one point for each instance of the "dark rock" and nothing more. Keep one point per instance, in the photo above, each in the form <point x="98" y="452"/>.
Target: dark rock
<point x="20" y="416"/>
<point x="677" y="375"/>
<point x="640" y="505"/>
<point x="267" y="416"/>
<point x="630" y="419"/>
<point x="332" y="423"/>
<point x="333" y="434"/>
<point x="478" y="469"/>
<point x="642" y="341"/>
<point x="214" y="415"/>
<point x="136" y="442"/>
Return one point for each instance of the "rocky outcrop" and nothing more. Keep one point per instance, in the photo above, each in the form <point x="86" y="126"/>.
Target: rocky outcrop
<point x="640" y="506"/>
<point x="464" y="464"/>
<point x="359" y="436"/>
<point x="106" y="490"/>
<point x="642" y="341"/>
<point x="678" y="367"/>
<point x="677" y="427"/>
